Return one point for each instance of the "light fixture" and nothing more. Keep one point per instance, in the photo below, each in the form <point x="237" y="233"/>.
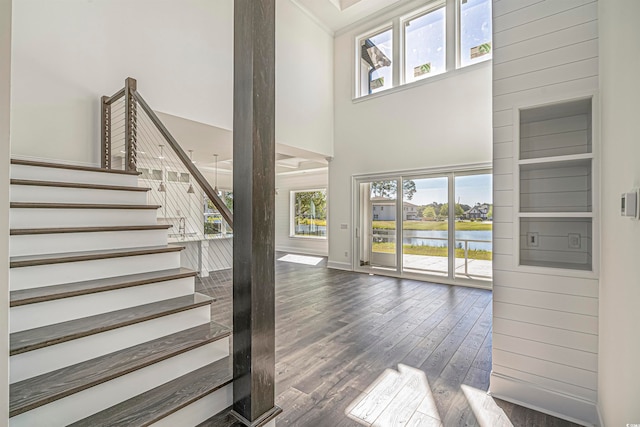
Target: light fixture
<point x="162" y="188"/>
<point x="190" y="189"/>
<point x="215" y="187"/>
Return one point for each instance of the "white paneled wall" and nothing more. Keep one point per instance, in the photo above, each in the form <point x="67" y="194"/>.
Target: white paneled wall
<point x="545" y="326"/>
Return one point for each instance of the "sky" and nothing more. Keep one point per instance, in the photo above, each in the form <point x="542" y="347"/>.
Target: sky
<point x="469" y="189"/>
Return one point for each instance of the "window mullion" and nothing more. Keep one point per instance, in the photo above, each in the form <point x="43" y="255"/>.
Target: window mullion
<point x="397" y="67"/>
<point x="452" y="35"/>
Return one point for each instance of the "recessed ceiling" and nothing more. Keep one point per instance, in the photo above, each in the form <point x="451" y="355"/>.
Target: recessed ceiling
<point x="337" y="14"/>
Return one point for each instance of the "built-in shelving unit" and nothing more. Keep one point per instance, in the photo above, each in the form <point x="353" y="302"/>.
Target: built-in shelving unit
<point x="555" y="170"/>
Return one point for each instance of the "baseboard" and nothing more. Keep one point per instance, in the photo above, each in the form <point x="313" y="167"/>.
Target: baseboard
<point x="300" y="251"/>
<point x="57" y="161"/>
<point x="560" y="405"/>
<point x="339" y="265"/>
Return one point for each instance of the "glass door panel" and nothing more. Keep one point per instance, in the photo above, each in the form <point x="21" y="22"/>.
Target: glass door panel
<point x="425" y="226"/>
<point x="473" y="226"/>
<point x="378" y="211"/>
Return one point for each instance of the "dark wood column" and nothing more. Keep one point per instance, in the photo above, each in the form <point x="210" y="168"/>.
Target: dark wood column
<point x="254" y="224"/>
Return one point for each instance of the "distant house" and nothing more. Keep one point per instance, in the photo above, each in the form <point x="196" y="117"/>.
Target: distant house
<point x="384" y="209"/>
<point x="478" y="211"/>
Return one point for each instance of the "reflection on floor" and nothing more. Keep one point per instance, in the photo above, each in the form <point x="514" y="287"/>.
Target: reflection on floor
<point x="360" y="350"/>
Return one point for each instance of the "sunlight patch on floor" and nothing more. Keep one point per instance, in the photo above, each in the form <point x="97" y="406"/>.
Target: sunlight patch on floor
<point x="396" y="398"/>
<point x="485" y="409"/>
<point x="301" y="259"/>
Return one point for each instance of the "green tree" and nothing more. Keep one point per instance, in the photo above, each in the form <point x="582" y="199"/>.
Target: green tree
<point x="389" y="189"/>
<point x="444" y="211"/>
<point x="428" y="212"/>
<point x="311" y="204"/>
<point x="459" y="210"/>
<point x="490" y="212"/>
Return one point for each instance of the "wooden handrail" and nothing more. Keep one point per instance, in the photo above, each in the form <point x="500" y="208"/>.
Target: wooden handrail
<point x="200" y="179"/>
<point x="113" y="98"/>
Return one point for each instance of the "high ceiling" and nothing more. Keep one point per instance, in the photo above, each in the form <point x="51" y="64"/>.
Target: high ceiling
<point x="337" y="14"/>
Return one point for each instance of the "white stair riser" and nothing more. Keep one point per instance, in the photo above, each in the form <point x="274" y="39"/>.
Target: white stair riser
<point x="37" y="173"/>
<point x="103" y="396"/>
<point x="47" y="218"/>
<point x="47" y="359"/>
<point x="46" y="313"/>
<point x="200" y="410"/>
<point x="39" y="244"/>
<point x="56" y="274"/>
<point x="42" y="194"/>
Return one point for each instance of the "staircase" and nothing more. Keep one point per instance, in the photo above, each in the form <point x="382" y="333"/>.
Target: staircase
<point x="106" y="327"/>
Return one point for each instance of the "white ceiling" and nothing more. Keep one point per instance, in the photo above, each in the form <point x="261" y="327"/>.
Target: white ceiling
<point x="337" y="14"/>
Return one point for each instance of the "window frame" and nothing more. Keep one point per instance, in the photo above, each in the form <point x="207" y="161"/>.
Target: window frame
<point x="458" y="36"/>
<point x="415" y="14"/>
<point x="292" y="213"/>
<point x="395" y="23"/>
<point x="387" y="26"/>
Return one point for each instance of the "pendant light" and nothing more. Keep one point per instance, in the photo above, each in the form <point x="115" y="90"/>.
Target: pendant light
<point x="162" y="188"/>
<point x="190" y="190"/>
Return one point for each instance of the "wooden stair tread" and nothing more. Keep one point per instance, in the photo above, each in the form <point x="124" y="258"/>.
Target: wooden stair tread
<point x="37" y="205"/>
<point x="33" y="339"/>
<point x="71" y="167"/>
<point x="76" y="185"/>
<point x="61" y="230"/>
<point x="158" y="403"/>
<point x="50" y="293"/>
<point x="46" y="388"/>
<point x="48" y="259"/>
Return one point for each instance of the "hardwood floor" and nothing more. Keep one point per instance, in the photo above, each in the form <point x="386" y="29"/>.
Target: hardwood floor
<point x="360" y="350"/>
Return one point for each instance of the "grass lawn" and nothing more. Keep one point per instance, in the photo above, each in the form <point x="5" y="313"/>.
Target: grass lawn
<point x="432" y="251"/>
<point x="434" y="225"/>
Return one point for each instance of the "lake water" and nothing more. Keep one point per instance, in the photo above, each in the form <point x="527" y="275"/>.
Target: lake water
<point x="421" y="237"/>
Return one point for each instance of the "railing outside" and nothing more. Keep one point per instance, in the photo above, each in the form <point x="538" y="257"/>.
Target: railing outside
<point x="390" y="236"/>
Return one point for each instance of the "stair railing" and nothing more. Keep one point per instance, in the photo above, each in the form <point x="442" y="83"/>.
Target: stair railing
<point x="131" y="133"/>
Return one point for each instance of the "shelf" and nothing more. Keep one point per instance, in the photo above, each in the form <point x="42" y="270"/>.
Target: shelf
<point x="555" y="160"/>
<point x="560" y="265"/>
<point x="555" y="215"/>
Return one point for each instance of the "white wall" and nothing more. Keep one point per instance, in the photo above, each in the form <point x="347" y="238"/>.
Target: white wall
<point x="304" y="81"/>
<point x="619" y="370"/>
<point x="285" y="184"/>
<point x="67" y="53"/>
<point x="5" y="104"/>
<point x="545" y="321"/>
<point x="445" y="121"/>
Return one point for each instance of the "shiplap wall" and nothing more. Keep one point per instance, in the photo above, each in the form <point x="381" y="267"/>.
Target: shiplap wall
<point x="545" y="326"/>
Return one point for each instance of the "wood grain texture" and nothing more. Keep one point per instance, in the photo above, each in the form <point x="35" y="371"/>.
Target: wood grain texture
<point x="43" y="389"/>
<point x="50" y="293"/>
<point x="254" y="203"/>
<point x="36" y="205"/>
<point x="33" y="339"/>
<point x="34" y="260"/>
<point x="77" y="185"/>
<point x="337" y="332"/>
<point x="147" y="408"/>
<point x="70" y="167"/>
<point x="65" y="230"/>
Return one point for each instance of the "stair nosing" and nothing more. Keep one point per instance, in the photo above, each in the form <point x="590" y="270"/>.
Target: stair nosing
<point x="88" y="256"/>
<point x="104" y="328"/>
<point x="36" y="163"/>
<point x="62" y="184"/>
<point x="135" y="366"/>
<point x="159" y="415"/>
<point x="65" y="230"/>
<point x="125" y="283"/>
<point x="38" y="205"/>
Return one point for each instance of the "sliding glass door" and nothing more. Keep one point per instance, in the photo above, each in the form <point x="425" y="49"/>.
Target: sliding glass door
<point x="425" y="226"/>
<point x="442" y="227"/>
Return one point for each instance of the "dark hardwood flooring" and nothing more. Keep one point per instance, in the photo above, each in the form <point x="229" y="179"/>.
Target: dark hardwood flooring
<point x="361" y="350"/>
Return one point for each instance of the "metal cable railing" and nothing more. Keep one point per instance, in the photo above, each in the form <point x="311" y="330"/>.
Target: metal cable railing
<point x="133" y="138"/>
